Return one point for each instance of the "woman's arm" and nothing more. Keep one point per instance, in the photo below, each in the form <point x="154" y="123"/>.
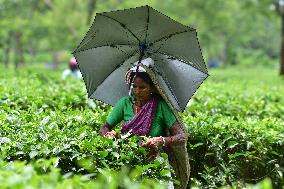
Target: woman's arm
<point x="177" y="136"/>
<point x="115" y="117"/>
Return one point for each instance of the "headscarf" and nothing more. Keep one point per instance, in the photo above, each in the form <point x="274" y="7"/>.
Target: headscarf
<point x="148" y="62"/>
<point x="141" y="123"/>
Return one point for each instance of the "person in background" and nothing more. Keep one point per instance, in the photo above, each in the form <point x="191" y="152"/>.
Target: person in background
<point x="73" y="70"/>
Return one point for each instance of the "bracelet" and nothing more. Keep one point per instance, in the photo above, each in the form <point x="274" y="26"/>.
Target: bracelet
<point x="164" y="141"/>
<point x="171" y="139"/>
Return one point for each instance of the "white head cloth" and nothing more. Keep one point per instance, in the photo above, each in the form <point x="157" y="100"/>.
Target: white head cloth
<point x="149" y="62"/>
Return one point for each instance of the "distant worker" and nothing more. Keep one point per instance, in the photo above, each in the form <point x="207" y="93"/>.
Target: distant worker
<point x="213" y="63"/>
<point x="73" y="70"/>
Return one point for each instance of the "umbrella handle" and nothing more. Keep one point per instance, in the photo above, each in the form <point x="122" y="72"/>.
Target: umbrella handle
<point x="142" y="48"/>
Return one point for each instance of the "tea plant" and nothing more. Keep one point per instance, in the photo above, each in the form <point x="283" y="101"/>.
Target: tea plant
<point x="235" y="123"/>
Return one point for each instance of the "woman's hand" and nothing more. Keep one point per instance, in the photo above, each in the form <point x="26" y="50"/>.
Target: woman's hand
<point x="177" y="137"/>
<point x="111" y="134"/>
<point x="104" y="129"/>
<point x="153" y="142"/>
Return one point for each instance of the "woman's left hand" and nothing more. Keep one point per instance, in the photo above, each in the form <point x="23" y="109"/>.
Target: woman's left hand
<point x="153" y="142"/>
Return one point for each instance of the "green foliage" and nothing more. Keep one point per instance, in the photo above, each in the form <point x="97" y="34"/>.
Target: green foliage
<point x="51" y="118"/>
<point x="235" y="122"/>
<point x="228" y="30"/>
<point x="236" y="128"/>
<point x="45" y="174"/>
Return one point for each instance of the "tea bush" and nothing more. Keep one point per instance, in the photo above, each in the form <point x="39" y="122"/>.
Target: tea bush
<point x="44" y="174"/>
<point x="235" y="123"/>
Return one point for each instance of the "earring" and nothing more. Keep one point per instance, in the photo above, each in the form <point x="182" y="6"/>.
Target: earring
<point x="130" y="90"/>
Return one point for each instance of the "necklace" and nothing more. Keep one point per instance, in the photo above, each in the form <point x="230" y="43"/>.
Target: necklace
<point x="136" y="108"/>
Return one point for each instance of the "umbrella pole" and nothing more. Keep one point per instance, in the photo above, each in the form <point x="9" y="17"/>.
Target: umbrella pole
<point x="132" y="79"/>
<point x="142" y="48"/>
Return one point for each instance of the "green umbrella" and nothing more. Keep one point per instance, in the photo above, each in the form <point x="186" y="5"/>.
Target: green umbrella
<point x="118" y="39"/>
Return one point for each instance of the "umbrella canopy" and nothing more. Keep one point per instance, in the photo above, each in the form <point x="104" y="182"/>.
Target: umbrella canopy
<point x="118" y="39"/>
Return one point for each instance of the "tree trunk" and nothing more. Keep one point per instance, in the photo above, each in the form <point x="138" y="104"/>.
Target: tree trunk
<point x="7" y="49"/>
<point x="91" y="7"/>
<point x="56" y="60"/>
<point x="282" y="48"/>
<point x="225" y="53"/>
<point x="49" y="3"/>
<point x="32" y="51"/>
<point x="19" y="53"/>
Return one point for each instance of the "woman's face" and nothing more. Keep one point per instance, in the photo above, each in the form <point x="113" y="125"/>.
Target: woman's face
<point x="141" y="89"/>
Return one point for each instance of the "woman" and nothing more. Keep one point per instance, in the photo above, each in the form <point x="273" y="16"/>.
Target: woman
<point x="145" y="113"/>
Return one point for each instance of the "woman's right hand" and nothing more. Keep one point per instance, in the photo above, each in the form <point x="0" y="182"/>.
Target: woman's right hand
<point x="111" y="134"/>
<point x="104" y="129"/>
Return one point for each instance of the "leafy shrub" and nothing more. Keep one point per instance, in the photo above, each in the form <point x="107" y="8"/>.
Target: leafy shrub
<point x="44" y="174"/>
<point x="235" y="126"/>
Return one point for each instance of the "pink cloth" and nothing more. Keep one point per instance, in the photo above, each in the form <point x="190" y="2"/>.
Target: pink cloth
<point x="73" y="60"/>
<point x="73" y="64"/>
<point x="141" y="123"/>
